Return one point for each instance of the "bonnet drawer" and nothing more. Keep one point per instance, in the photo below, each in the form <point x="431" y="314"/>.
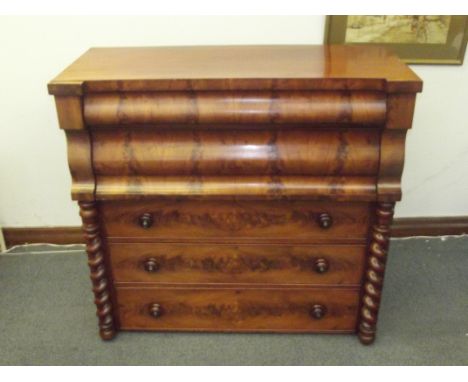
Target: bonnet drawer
<point x="128" y="152"/>
<point x="235" y="107"/>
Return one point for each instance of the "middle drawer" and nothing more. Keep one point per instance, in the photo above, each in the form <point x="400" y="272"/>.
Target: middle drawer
<point x="226" y="264"/>
<point x="170" y="152"/>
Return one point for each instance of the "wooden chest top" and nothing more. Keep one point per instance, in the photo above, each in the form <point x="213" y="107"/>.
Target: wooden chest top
<point x="296" y="67"/>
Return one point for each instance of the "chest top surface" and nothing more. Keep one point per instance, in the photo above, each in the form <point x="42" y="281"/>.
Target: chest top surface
<point x="288" y="67"/>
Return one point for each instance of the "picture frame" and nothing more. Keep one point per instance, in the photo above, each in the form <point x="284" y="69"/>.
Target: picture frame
<point x="415" y="39"/>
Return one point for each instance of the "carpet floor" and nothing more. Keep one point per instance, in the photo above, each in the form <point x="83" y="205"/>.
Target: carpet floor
<point x="47" y="317"/>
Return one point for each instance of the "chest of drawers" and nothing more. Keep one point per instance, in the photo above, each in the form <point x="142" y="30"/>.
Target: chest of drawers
<point x="237" y="189"/>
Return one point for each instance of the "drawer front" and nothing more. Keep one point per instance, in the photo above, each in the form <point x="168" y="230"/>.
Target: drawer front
<point x="155" y="152"/>
<point x="194" y="108"/>
<point x="281" y="310"/>
<point x="280" y="264"/>
<point x="253" y="220"/>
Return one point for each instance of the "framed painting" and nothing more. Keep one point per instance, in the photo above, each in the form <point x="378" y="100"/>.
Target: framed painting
<point x="415" y="39"/>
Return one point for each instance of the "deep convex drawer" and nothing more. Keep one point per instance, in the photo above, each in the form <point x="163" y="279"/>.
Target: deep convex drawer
<point x="254" y="221"/>
<point x="268" y="309"/>
<point x="171" y="152"/>
<point x="225" y="264"/>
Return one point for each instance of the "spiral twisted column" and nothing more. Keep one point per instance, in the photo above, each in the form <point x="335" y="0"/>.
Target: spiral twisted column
<point x="374" y="274"/>
<point x="100" y="282"/>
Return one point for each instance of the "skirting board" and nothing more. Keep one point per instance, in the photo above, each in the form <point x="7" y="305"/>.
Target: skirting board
<point x="51" y="235"/>
<point x="430" y="226"/>
<point x="402" y="227"/>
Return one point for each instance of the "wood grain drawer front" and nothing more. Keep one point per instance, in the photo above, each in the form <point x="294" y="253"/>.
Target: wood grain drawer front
<point x="150" y="152"/>
<point x="280" y="310"/>
<point x="235" y="107"/>
<point x="252" y="220"/>
<point x="280" y="264"/>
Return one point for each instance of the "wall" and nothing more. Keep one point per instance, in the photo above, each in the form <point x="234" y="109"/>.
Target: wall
<point x="34" y="178"/>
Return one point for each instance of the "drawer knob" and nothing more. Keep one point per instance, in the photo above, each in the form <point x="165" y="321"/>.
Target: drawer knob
<point x="321" y="265"/>
<point x="324" y="220"/>
<point x="155" y="310"/>
<point x="146" y="220"/>
<point x="318" y="311"/>
<point x="151" y="265"/>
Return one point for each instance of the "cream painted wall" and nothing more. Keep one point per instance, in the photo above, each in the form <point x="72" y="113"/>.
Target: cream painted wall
<point x="34" y="178"/>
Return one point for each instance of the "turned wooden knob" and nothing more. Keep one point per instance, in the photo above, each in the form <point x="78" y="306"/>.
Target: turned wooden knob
<point x="324" y="220"/>
<point x="146" y="220"/>
<point x="155" y="310"/>
<point x="318" y="311"/>
<point x="151" y="265"/>
<point x="321" y="265"/>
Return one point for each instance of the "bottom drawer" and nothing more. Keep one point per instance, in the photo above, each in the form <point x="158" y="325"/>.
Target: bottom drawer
<point x="265" y="309"/>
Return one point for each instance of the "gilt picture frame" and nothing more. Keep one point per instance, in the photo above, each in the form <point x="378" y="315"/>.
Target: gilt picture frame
<point x="415" y="39"/>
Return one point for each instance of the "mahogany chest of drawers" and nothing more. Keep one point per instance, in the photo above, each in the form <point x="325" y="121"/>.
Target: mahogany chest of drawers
<point x="237" y="189"/>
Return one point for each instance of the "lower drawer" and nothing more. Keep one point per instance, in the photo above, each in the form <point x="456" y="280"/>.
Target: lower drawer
<point x="234" y="264"/>
<point x="263" y="310"/>
<point x="253" y="221"/>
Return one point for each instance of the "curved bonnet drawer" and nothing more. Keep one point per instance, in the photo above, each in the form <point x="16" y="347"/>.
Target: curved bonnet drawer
<point x="235" y="107"/>
<point x="313" y="152"/>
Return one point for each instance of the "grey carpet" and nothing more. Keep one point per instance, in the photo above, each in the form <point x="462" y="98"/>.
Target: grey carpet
<point x="47" y="317"/>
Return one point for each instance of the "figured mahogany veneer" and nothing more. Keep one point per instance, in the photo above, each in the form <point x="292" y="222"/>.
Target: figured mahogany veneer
<point x="332" y="152"/>
<point x="237" y="188"/>
<point x="337" y="188"/>
<point x="246" y="220"/>
<point x="241" y="263"/>
<point x="235" y="108"/>
<point x="227" y="309"/>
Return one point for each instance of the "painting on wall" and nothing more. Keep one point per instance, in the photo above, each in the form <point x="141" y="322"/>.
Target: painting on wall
<point x="416" y="39"/>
